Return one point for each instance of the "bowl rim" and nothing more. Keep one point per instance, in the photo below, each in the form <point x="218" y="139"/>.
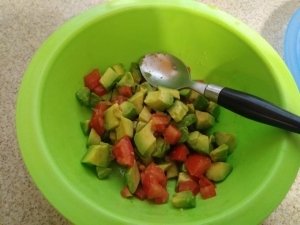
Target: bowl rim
<point x="28" y="105"/>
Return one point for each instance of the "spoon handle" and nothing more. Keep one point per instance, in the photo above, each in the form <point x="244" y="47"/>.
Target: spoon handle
<point x="258" y="109"/>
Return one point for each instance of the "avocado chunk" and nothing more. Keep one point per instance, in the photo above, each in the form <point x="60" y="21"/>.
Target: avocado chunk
<point x="119" y="68"/>
<point x="103" y="172"/>
<point x="164" y="166"/>
<point x="112" y="117"/>
<point x="185" y="92"/>
<point x="85" y="127"/>
<point x="140" y="125"/>
<point x="214" y="109"/>
<point x="110" y="78"/>
<point x="200" y="103"/>
<point x="193" y="96"/>
<point x="184" y="134"/>
<point x="220" y="153"/>
<point x="161" y="148"/>
<point x="145" y="87"/>
<point x="173" y="92"/>
<point x="199" y="142"/>
<point x="98" y="155"/>
<point x="172" y="171"/>
<point x="159" y="100"/>
<point x="178" y="110"/>
<point x="136" y="73"/>
<point x="218" y="171"/>
<point x="204" y="120"/>
<point x="225" y="138"/>
<point x="184" y="200"/>
<point x="125" y="128"/>
<point x="94" y="99"/>
<point x="112" y="136"/>
<point x="144" y="140"/>
<point x="83" y="96"/>
<point x="128" y="110"/>
<point x="94" y="138"/>
<point x="182" y="177"/>
<point x="106" y="97"/>
<point x="145" y="114"/>
<point x="126" y="80"/>
<point x="188" y="120"/>
<point x="132" y="177"/>
<point x="191" y="107"/>
<point x="138" y="100"/>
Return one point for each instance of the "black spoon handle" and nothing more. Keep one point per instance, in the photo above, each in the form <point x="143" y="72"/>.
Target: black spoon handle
<point x="258" y="109"/>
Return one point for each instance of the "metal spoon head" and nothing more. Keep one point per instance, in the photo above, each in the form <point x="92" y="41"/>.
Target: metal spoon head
<point x="161" y="69"/>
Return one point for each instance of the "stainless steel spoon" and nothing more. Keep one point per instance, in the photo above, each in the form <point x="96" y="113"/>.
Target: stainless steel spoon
<point x="161" y="69"/>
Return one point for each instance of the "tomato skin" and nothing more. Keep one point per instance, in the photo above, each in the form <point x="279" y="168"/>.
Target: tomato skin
<point x="171" y="134"/>
<point x="160" y="121"/>
<point x="179" y="153"/>
<point x="123" y="152"/>
<point x="101" y="107"/>
<point x="125" y="91"/>
<point x="91" y="80"/>
<point x="99" y="90"/>
<point x="156" y="174"/>
<point x="197" y="164"/>
<point x="189" y="185"/>
<point x="125" y="192"/>
<point x="119" y="99"/>
<point x="207" y="188"/>
<point x="97" y="123"/>
<point x="140" y="193"/>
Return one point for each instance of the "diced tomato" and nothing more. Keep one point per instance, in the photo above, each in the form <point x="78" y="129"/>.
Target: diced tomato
<point x="125" y="192"/>
<point x="123" y="152"/>
<point x="99" y="90"/>
<point x="164" y="195"/>
<point x="207" y="188"/>
<point x="179" y="153"/>
<point x="97" y="123"/>
<point x="119" y="99"/>
<point x="160" y="122"/>
<point x="140" y="193"/>
<point x="155" y="173"/>
<point x="189" y="185"/>
<point x="91" y="80"/>
<point x="100" y="108"/>
<point x="171" y="134"/>
<point x="197" y="164"/>
<point x="125" y="91"/>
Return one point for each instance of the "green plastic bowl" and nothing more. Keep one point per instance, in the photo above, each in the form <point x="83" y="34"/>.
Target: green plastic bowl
<point x="218" y="48"/>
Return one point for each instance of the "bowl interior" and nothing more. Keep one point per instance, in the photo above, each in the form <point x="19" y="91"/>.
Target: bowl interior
<point x="215" y="54"/>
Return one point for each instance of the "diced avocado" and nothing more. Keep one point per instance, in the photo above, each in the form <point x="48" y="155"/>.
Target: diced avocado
<point x="220" y="153"/>
<point x="98" y="155"/>
<point x="126" y="80"/>
<point x="184" y="200"/>
<point x="132" y="177"/>
<point x="145" y="114"/>
<point x="165" y="166"/>
<point x="144" y="140"/>
<point x="83" y="96"/>
<point x="103" y="172"/>
<point x="145" y="87"/>
<point x="94" y="138"/>
<point x="161" y="148"/>
<point x="204" y="120"/>
<point x="172" y="171"/>
<point x="114" y="94"/>
<point x="112" y="117"/>
<point x="173" y="92"/>
<point x="200" y="103"/>
<point x="178" y="110"/>
<point x="183" y="168"/>
<point x="184" y="134"/>
<point x="183" y="176"/>
<point x="128" y="110"/>
<point x="94" y="99"/>
<point x="185" y="92"/>
<point x="193" y="96"/>
<point x="119" y="68"/>
<point x="188" y="120"/>
<point x="158" y="100"/>
<point x="191" y="107"/>
<point x="218" y="171"/>
<point x="112" y="136"/>
<point x="140" y="125"/>
<point x="109" y="78"/>
<point x="199" y="142"/>
<point x="106" y="97"/>
<point x="213" y="108"/>
<point x="85" y="127"/>
<point x="125" y="128"/>
<point x="136" y="73"/>
<point x="138" y="100"/>
<point x="225" y="138"/>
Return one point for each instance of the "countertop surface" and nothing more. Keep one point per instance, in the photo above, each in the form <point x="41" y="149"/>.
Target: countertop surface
<point x="24" y="26"/>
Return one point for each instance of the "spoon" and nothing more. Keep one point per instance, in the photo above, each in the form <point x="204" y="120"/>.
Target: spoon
<point x="161" y="69"/>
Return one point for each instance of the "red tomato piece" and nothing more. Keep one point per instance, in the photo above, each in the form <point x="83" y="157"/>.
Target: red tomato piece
<point x="99" y="90"/>
<point x="197" y="164"/>
<point x="189" y="185"/>
<point x="125" y="192"/>
<point x="207" y="188"/>
<point x="119" y="99"/>
<point x="91" y="80"/>
<point x="160" y="121"/>
<point x="171" y="134"/>
<point x="123" y="152"/>
<point x="97" y="123"/>
<point x="140" y="193"/>
<point x="125" y="91"/>
<point x="164" y="195"/>
<point x="155" y="173"/>
<point x="179" y="153"/>
<point x="100" y="108"/>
